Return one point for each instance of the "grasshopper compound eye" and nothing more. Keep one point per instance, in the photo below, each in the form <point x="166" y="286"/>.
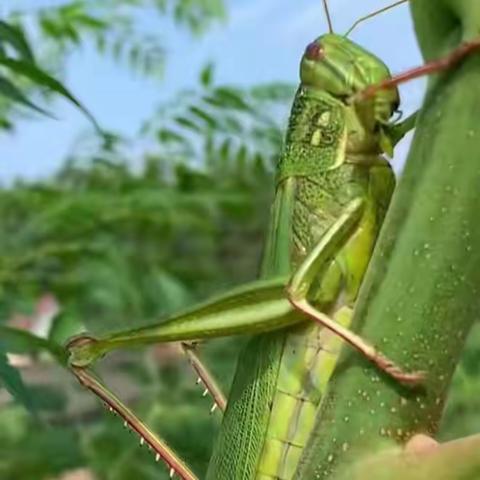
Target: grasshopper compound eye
<point x="314" y="51"/>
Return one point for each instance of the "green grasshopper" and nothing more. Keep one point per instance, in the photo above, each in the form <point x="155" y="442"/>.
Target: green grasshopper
<point x="333" y="188"/>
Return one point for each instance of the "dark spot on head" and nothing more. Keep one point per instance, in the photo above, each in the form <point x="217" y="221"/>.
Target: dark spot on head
<point x="314" y="51"/>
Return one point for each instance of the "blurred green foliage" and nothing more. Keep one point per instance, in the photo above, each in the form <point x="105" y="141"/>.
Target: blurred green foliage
<point x="115" y="242"/>
<point x="128" y="231"/>
<point x="112" y="27"/>
<point x="18" y="68"/>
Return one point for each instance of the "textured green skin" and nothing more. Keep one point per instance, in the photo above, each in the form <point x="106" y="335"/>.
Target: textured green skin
<point x="310" y="197"/>
<point x="421" y="293"/>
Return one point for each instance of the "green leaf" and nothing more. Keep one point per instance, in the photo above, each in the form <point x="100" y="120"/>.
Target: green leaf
<point x="91" y="22"/>
<point x="9" y="90"/>
<point x="15" y="37"/>
<point x="206" y="75"/>
<point x="187" y="123"/>
<point x="5" y="124"/>
<point x="13" y="382"/>
<point x="229" y="98"/>
<point x="202" y="114"/>
<point x="49" y="27"/>
<point x="42" y="78"/>
<point x="166" y="135"/>
<point x="14" y="340"/>
<point x="224" y="151"/>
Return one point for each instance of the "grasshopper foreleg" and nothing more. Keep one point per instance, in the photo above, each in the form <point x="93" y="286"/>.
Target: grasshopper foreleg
<point x="301" y="282"/>
<point x="435" y="66"/>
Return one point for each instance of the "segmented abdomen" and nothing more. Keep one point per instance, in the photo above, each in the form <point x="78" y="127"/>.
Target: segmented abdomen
<point x="308" y="359"/>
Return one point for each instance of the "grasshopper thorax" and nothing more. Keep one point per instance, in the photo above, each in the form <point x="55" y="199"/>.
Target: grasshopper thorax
<point x="337" y="66"/>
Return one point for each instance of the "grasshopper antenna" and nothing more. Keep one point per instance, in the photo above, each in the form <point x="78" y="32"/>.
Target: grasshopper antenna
<point x="327" y="14"/>
<point x="373" y="14"/>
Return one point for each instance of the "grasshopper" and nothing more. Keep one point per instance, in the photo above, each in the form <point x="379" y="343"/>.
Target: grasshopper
<point x="333" y="187"/>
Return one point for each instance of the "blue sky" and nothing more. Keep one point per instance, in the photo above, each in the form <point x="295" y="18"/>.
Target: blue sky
<point x="261" y="41"/>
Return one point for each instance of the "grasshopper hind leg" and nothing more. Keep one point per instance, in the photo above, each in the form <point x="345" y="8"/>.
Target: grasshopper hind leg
<point x="160" y="448"/>
<point x="83" y="351"/>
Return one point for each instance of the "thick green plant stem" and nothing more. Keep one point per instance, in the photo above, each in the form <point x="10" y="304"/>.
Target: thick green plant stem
<point x="443" y="24"/>
<point x="422" y="291"/>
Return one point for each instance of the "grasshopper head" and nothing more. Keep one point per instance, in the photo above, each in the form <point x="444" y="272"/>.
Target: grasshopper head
<point x="340" y="67"/>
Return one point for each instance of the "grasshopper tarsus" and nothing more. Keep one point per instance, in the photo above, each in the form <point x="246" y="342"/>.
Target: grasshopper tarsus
<point x="412" y="379"/>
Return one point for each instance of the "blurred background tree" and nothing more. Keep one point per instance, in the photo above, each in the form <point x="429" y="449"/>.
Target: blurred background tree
<point x="127" y="231"/>
<point x="121" y="236"/>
